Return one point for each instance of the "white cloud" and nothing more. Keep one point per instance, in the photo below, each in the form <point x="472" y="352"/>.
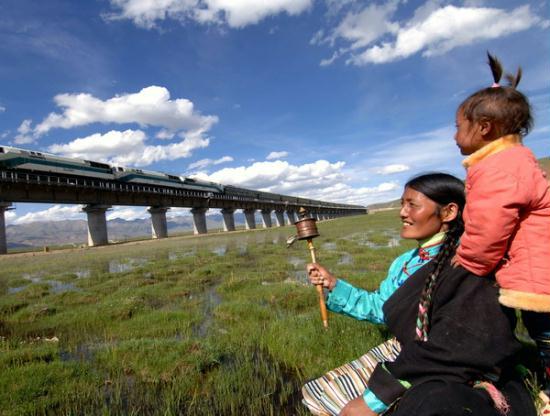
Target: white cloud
<point x="55" y="213"/>
<point x="432" y="30"/>
<point x="280" y="176"/>
<point x="127" y="148"/>
<point x="319" y="180"/>
<point x="151" y="106"/>
<point x="234" y="13"/>
<point x="127" y="213"/>
<point x="203" y="163"/>
<point x="24" y="131"/>
<point x="394" y="168"/>
<point x="277" y="155"/>
<point x="2" y="108"/>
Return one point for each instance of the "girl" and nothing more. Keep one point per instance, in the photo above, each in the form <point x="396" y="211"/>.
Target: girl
<point x="507" y="213"/>
<point x="460" y="349"/>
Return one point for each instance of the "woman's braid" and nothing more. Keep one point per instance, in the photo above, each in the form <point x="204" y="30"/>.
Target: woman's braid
<point x="448" y="248"/>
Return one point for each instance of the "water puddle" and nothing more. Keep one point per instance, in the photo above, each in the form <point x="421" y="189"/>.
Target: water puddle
<point x="17" y="289"/>
<point x="175" y="255"/>
<point x="296" y="261"/>
<point x="298" y="277"/>
<point x="120" y="266"/>
<point x="83" y="352"/>
<point x="83" y="274"/>
<point x="389" y="239"/>
<point x="219" y="250"/>
<point x="55" y="285"/>
<point x="211" y="300"/>
<point x="330" y="246"/>
<point x="346" y="258"/>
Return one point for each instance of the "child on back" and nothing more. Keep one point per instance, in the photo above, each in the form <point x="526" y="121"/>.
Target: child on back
<point x="507" y="213"/>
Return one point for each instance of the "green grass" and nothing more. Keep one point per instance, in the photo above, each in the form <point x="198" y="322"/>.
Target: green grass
<point x="182" y="329"/>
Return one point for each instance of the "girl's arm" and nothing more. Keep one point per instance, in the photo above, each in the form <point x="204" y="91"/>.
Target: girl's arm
<point x="493" y="208"/>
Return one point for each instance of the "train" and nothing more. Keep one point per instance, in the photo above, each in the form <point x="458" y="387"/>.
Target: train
<point x="12" y="158"/>
<point x="41" y="162"/>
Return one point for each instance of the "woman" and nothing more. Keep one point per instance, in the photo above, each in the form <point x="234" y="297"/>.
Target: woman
<point x="451" y="331"/>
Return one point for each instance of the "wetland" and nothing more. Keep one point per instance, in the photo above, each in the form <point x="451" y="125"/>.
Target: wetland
<point x="222" y="324"/>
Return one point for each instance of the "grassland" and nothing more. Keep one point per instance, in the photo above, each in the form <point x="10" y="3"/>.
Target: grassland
<point x="214" y="325"/>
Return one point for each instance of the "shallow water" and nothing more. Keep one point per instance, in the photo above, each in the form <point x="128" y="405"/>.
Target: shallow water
<point x="126" y="265"/>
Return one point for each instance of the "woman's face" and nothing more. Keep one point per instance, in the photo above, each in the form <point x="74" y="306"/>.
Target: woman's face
<point x="419" y="216"/>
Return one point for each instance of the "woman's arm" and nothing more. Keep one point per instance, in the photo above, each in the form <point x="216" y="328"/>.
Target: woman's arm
<point x="357" y="303"/>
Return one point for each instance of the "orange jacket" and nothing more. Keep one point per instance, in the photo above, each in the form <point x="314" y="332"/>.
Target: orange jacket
<point x="507" y="223"/>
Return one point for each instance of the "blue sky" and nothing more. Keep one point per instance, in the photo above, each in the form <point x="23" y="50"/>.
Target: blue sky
<point x="335" y="100"/>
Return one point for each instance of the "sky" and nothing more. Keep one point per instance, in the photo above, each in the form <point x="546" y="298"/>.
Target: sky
<point x="337" y="100"/>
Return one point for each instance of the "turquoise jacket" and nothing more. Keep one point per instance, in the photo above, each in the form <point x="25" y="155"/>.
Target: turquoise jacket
<point x="367" y="306"/>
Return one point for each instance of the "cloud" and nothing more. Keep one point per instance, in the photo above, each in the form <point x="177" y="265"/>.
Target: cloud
<point x="24" y="131"/>
<point x="431" y="31"/>
<point x="203" y="163"/>
<point x="276" y="155"/>
<point x="320" y="180"/>
<point x="280" y="176"/>
<point x="128" y="213"/>
<point x="151" y="106"/>
<point x="2" y="108"/>
<point x="55" y="213"/>
<point x="394" y="168"/>
<point x="234" y="13"/>
<point x="127" y="148"/>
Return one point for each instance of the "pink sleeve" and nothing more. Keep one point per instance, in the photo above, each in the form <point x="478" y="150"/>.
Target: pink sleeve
<point x="493" y="205"/>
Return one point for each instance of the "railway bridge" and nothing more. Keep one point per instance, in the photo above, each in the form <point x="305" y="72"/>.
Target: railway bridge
<point x="98" y="195"/>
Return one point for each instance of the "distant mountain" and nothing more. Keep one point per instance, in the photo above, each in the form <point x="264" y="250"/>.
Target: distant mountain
<point x="385" y="205"/>
<point x="74" y="232"/>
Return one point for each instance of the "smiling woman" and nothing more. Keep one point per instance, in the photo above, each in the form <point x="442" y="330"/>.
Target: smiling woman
<point x="434" y="313"/>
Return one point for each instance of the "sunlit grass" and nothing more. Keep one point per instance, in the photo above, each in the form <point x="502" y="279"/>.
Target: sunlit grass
<point x="216" y="325"/>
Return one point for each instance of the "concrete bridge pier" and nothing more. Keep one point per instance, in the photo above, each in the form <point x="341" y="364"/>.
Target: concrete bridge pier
<point x="250" y="221"/>
<point x="159" y="227"/>
<point x="228" y="219"/>
<point x="291" y="217"/>
<point x="199" y="220"/>
<point x="4" y="206"/>
<point x="280" y="218"/>
<point x="97" y="224"/>
<point x="266" y="218"/>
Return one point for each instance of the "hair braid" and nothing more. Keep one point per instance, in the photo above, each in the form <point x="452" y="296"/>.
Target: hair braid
<point x="450" y="243"/>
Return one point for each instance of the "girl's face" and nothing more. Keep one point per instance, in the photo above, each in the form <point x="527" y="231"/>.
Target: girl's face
<point x="468" y="135"/>
<point x="419" y="215"/>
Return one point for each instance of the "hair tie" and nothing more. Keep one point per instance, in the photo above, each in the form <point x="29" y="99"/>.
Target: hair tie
<point x="495" y="85"/>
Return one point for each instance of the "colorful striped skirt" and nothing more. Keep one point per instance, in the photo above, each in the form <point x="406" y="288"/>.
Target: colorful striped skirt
<point x="327" y="395"/>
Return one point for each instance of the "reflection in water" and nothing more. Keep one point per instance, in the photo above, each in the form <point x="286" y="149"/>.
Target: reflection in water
<point x="120" y="266"/>
<point x="296" y="261"/>
<point x="211" y="300"/>
<point x="82" y="274"/>
<point x="393" y="239"/>
<point x="298" y="277"/>
<point x="346" y="258"/>
<point x="329" y="246"/>
<point x="174" y="255"/>
<point x="55" y="285"/>
<point x="219" y="250"/>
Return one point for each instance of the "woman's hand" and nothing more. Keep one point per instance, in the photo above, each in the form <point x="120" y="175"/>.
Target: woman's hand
<point x="357" y="407"/>
<point x="318" y="275"/>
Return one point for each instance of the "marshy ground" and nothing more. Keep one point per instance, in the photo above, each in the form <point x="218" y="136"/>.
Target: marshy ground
<point x="223" y="324"/>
